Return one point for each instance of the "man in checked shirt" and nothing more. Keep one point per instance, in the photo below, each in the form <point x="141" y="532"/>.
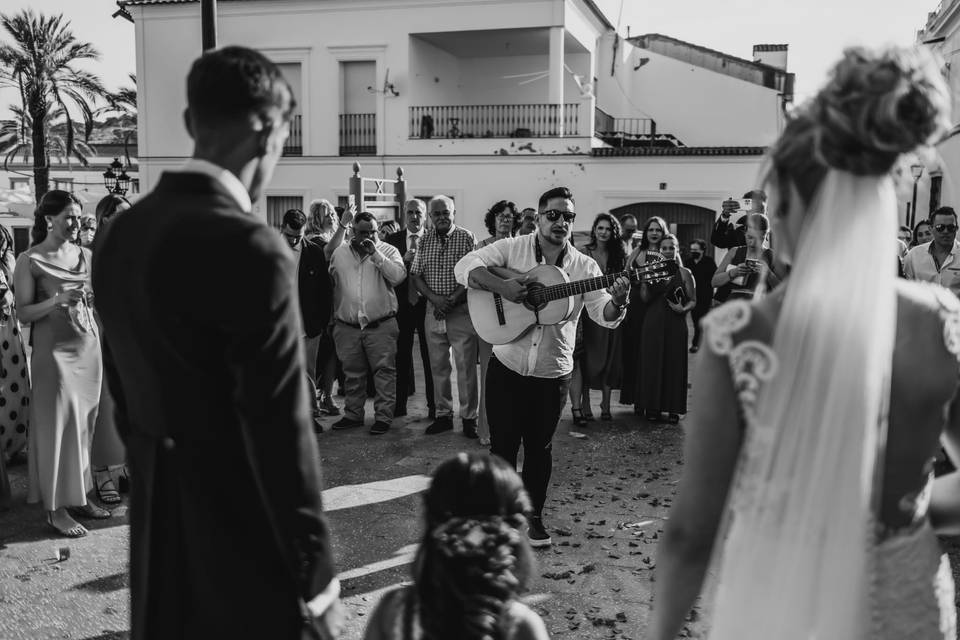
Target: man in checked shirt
<point x="447" y="323"/>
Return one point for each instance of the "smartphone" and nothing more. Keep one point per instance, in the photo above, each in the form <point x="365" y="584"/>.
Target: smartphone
<point x="678" y="296"/>
<point x="753" y="264"/>
<point x="746" y="205"/>
<point x="351" y="201"/>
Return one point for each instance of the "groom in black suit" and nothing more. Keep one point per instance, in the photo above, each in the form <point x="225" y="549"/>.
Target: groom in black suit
<point x="203" y="352"/>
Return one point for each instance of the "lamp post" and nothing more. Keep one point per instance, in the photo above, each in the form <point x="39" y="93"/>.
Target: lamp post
<point x="208" y="24"/>
<point x="916" y="170"/>
<point x="115" y="178"/>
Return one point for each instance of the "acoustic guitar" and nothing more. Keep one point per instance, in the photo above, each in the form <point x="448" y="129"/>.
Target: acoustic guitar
<point x="549" y="299"/>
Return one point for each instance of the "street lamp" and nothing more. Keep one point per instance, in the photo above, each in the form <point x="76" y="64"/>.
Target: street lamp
<point x="115" y="178"/>
<point x="916" y="170"/>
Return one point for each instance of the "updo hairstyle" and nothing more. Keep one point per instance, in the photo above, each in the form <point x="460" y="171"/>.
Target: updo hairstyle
<point x="875" y="107"/>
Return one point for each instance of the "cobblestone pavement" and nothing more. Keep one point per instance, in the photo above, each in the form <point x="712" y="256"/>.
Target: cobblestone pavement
<point x="610" y="493"/>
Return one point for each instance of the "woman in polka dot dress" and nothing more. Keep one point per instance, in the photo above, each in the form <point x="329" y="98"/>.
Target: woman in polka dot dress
<point x="14" y="377"/>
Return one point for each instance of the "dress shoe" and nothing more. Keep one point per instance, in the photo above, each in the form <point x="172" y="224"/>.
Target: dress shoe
<point x="537" y="533"/>
<point x="470" y="429"/>
<point x="379" y="428"/>
<point x="346" y="423"/>
<point x="441" y="424"/>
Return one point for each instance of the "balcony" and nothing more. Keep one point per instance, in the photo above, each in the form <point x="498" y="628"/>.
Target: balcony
<point x="495" y="121"/>
<point x="294" y="144"/>
<point x="358" y="134"/>
<point x="630" y="132"/>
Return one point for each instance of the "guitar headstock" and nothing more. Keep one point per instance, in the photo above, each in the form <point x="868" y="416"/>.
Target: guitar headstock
<point x="658" y="271"/>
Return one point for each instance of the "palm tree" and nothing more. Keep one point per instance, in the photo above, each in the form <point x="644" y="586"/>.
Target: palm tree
<point x="40" y="61"/>
<point x="16" y="138"/>
<point x="123" y="104"/>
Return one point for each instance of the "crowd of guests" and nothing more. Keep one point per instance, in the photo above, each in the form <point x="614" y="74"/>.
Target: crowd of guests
<point x="366" y="289"/>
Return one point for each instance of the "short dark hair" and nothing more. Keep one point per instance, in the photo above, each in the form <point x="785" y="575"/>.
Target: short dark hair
<point x="756" y="194"/>
<point x="294" y="219"/>
<point x="365" y="216"/>
<point x="235" y="82"/>
<point x="108" y="206"/>
<point x="556" y="192"/>
<point x="701" y="242"/>
<point x="628" y="215"/>
<point x="943" y="211"/>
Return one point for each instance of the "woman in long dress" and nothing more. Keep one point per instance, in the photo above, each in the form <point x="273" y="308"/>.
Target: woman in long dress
<point x="14" y="377"/>
<point x="502" y="221"/>
<point x="52" y="288"/>
<point x="108" y="455"/>
<point x="820" y="408"/>
<point x="600" y="365"/>
<point x="646" y="251"/>
<point x="662" y="380"/>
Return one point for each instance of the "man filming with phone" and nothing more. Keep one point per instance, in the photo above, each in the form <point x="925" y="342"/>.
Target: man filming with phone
<point x="726" y="234"/>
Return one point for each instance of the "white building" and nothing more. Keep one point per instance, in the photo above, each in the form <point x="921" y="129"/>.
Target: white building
<point x="481" y="100"/>
<point x="939" y="182"/>
<point x="17" y="202"/>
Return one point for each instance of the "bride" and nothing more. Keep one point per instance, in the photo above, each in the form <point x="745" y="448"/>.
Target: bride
<point x="820" y="408"/>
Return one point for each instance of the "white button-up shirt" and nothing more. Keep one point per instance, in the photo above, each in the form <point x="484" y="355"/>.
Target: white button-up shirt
<point x="363" y="284"/>
<point x="546" y="351"/>
<point x="920" y="265"/>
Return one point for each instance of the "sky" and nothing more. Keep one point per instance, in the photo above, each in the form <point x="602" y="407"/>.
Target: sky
<point x="816" y="30"/>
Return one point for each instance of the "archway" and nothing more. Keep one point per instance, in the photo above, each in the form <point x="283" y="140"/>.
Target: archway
<point x="688" y="221"/>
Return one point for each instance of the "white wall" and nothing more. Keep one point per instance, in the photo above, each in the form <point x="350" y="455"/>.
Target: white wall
<point x="698" y="106"/>
<point x="598" y="184"/>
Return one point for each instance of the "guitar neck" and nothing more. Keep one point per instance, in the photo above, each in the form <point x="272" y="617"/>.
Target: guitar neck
<point x="568" y="289"/>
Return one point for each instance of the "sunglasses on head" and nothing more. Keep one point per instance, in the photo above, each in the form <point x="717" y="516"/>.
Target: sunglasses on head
<point x="555" y="214"/>
<point x="949" y="228"/>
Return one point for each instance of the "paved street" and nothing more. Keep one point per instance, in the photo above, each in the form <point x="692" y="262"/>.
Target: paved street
<point x="611" y="491"/>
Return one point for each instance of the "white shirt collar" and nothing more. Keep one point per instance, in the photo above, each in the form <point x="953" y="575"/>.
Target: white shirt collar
<point x="226" y="179"/>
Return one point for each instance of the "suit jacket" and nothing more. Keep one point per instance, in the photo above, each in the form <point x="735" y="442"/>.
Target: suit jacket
<point x="726" y="235"/>
<point x="315" y="288"/>
<point x="399" y="242"/>
<point x="204" y="356"/>
<point x="702" y="276"/>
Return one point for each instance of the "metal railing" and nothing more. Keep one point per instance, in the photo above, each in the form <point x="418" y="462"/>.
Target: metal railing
<point x="294" y="144"/>
<point x="495" y="121"/>
<point x="358" y="134"/>
<point x="624" y="131"/>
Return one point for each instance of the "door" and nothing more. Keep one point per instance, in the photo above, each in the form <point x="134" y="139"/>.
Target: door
<point x="688" y="221"/>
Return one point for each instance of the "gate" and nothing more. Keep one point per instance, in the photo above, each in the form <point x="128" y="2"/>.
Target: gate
<point x="381" y="197"/>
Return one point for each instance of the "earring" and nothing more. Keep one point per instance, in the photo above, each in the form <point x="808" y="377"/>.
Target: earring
<point x="49" y="226"/>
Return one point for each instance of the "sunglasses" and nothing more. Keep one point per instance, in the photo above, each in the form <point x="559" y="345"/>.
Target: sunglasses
<point x="949" y="228"/>
<point x="555" y="214"/>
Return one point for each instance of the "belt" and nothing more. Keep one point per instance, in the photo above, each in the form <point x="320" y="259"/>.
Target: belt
<point x="370" y="325"/>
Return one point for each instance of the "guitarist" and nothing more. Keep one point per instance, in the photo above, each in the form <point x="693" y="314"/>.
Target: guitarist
<point x="528" y="378"/>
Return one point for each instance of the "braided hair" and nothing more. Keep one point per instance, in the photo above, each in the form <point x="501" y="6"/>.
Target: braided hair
<point x="474" y="559"/>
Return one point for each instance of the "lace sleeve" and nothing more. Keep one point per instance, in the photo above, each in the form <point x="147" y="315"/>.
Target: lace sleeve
<point x="950" y="315"/>
<point x="751" y="362"/>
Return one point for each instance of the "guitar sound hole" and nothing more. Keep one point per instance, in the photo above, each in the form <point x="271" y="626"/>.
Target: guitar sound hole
<point x="534" y="300"/>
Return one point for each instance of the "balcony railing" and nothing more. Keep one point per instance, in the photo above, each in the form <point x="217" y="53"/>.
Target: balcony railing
<point x="294" y="144"/>
<point x="358" y="134"/>
<point x="630" y="132"/>
<point x="495" y="121"/>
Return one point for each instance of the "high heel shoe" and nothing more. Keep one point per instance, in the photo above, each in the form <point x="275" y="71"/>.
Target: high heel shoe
<point x="106" y="488"/>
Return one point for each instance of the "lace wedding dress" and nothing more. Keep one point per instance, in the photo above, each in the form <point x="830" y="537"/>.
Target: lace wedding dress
<point x="911" y="591"/>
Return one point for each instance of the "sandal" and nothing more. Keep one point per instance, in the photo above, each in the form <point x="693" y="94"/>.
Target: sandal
<point x="106" y="489"/>
<point x="76" y="531"/>
<point x="578" y="418"/>
<point x="90" y="511"/>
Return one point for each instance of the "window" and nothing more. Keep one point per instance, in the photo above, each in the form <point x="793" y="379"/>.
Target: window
<point x="20" y="183"/>
<point x="294" y="144"/>
<point x="279" y="205"/>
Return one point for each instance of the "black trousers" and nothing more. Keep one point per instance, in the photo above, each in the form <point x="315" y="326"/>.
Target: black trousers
<point x="697" y="315"/>
<point x="410" y="321"/>
<point x="525" y="410"/>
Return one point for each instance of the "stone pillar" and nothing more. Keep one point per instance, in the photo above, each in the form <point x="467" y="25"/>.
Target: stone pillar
<point x="555" y="67"/>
